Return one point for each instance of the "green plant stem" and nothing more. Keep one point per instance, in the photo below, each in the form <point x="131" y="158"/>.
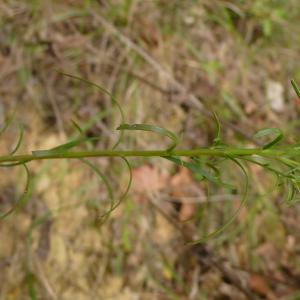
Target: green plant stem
<point x="152" y="153"/>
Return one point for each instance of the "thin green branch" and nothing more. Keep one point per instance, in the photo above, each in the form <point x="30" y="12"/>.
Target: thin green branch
<point x="46" y="154"/>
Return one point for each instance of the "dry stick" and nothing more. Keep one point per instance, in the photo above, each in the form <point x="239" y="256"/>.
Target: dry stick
<point x="194" y="102"/>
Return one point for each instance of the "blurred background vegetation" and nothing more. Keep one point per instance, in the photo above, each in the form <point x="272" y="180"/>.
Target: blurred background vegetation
<point x="169" y="63"/>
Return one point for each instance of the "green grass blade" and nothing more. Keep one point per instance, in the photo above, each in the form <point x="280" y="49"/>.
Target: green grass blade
<point x="31" y="281"/>
<point x="296" y="87"/>
<point x="64" y="147"/>
<point x="217" y="139"/>
<point x="291" y="193"/>
<point x="270" y="131"/>
<point x="153" y="128"/>
<point x="78" y="128"/>
<point x="69" y="145"/>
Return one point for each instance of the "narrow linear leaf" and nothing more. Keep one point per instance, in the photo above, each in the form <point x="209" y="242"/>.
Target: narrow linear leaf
<point x="109" y="188"/>
<point x="296" y="87"/>
<point x="153" y="128"/>
<point x="64" y="147"/>
<point x="264" y="164"/>
<point x="289" y="162"/>
<point x="106" y="92"/>
<point x="78" y="128"/>
<point x="277" y="133"/>
<point x="217" y="139"/>
<point x="214" y="168"/>
<point x="291" y="193"/>
<point x="104" y="216"/>
<point x="195" y="168"/>
<point x="8" y="165"/>
<point x="31" y="282"/>
<point x="27" y="191"/>
<point x="21" y="203"/>
<point x="127" y="189"/>
<point x="218" y="175"/>
<point x="72" y="144"/>
<point x="232" y="218"/>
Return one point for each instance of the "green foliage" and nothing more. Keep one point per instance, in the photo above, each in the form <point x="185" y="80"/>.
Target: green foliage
<point x="296" y="88"/>
<point x="153" y="128"/>
<point x="270" y="131"/>
<point x="280" y="161"/>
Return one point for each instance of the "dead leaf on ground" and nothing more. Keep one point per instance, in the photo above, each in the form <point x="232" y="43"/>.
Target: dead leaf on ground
<point x="147" y="179"/>
<point x="260" y="285"/>
<point x="185" y="191"/>
<point x="269" y="254"/>
<point x="187" y="211"/>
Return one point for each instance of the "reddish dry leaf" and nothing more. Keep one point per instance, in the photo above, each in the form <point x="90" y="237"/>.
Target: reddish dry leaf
<point x="296" y="102"/>
<point x="147" y="179"/>
<point x="259" y="285"/>
<point x="149" y="33"/>
<point x="187" y="211"/>
<point x="183" y="187"/>
<point x="182" y="176"/>
<point x="181" y="183"/>
<point x="269" y="254"/>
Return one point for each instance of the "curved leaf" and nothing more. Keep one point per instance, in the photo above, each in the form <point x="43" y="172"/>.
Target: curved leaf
<point x="104" y="217"/>
<point x="270" y="131"/>
<point x="153" y="128"/>
<point x="232" y="218"/>
<point x="106" y="183"/>
<point x="125" y="193"/>
<point x="105" y="91"/>
<point x="24" y="197"/>
<point x="195" y="168"/>
<point x="27" y="191"/>
<point x="64" y="147"/>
